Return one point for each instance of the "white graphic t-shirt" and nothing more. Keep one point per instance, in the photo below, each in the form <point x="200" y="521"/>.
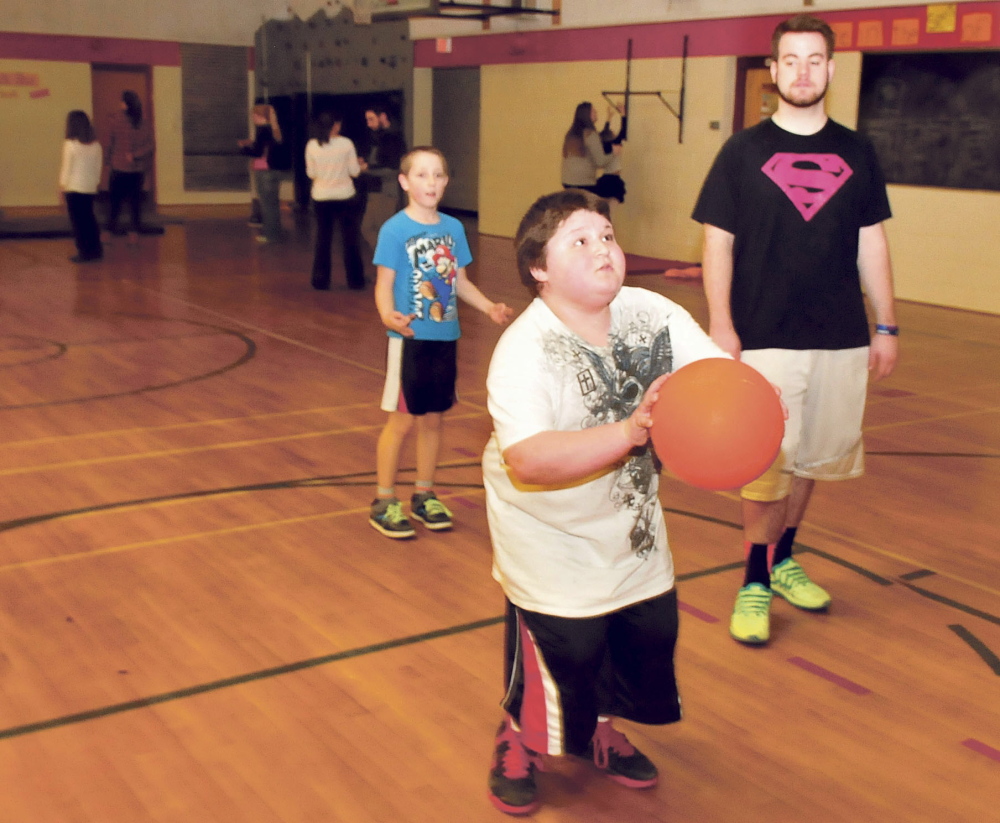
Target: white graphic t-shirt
<point x="599" y="544"/>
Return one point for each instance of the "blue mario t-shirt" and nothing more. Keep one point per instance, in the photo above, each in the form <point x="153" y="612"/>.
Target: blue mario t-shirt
<point x="426" y="259"/>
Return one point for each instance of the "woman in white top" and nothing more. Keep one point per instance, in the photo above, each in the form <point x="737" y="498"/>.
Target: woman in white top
<point x="79" y="177"/>
<point x="583" y="152"/>
<point x="332" y="164"/>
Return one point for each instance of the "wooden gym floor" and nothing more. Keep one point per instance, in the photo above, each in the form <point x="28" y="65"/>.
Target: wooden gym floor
<point x="197" y="624"/>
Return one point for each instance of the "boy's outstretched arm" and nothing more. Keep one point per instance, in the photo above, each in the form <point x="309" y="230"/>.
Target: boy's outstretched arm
<point x="499" y="313"/>
<point x="553" y="457"/>
<point x="386" y="305"/>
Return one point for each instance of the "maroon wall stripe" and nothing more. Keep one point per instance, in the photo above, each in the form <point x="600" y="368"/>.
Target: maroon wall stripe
<point x="741" y="36"/>
<point x="72" y="49"/>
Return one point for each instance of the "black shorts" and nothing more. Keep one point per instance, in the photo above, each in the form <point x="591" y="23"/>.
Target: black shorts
<point x="420" y="375"/>
<point x="563" y="672"/>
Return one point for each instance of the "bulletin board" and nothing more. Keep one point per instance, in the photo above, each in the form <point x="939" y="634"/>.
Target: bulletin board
<point x="934" y="117"/>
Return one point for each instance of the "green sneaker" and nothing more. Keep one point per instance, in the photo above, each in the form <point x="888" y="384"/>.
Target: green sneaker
<point x="789" y="580"/>
<point x="751" y="621"/>
<point x="430" y="511"/>
<point x="387" y="517"/>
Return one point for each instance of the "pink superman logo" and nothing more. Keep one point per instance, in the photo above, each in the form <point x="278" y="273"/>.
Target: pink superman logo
<point x="809" y="180"/>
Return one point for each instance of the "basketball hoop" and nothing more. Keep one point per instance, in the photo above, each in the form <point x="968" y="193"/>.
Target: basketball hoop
<point x="362" y="11"/>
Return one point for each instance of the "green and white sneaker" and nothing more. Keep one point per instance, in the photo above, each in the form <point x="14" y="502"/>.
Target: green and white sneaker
<point x="751" y="620"/>
<point x="789" y="580"/>
<point x="387" y="517"/>
<point x="430" y="511"/>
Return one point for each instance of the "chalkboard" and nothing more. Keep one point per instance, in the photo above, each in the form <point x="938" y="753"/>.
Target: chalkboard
<point x="934" y="117"/>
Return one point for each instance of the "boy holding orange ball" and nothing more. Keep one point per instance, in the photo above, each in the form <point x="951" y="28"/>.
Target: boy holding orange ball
<point x="579" y="540"/>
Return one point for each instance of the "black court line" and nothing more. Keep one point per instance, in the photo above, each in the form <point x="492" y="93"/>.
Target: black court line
<point x="727" y="567"/>
<point x="249" y="352"/>
<point x="947" y="601"/>
<point x="917" y="575"/>
<point x="875" y="578"/>
<point x="52" y="350"/>
<point x="145" y="702"/>
<point x="978" y="646"/>
<point x="288" y="668"/>
<point x="704" y="518"/>
<point x="263" y="674"/>
<point x="308" y="482"/>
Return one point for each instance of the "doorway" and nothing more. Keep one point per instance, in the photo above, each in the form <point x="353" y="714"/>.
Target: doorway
<point x="756" y="94"/>
<point x="455" y="130"/>
<point x="108" y="82"/>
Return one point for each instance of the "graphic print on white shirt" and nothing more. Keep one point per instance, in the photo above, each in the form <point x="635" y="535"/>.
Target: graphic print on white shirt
<point x="611" y="382"/>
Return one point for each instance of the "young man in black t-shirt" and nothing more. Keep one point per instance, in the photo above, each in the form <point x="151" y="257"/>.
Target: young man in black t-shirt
<point x="793" y="211"/>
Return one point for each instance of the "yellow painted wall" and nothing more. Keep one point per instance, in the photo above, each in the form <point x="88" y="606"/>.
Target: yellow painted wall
<point x="943" y="241"/>
<point x="525" y="109"/>
<point x="522" y="135"/>
<point x="32" y="128"/>
<point x="945" y="245"/>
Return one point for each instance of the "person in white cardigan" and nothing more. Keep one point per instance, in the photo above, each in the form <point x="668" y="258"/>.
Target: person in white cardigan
<point x="332" y="164"/>
<point x="79" y="177"/>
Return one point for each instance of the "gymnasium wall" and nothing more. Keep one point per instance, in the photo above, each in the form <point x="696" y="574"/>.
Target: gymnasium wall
<point x="942" y="240"/>
<point x="531" y="79"/>
<point x="43" y="77"/>
<point x="218" y="22"/>
<point x="35" y="96"/>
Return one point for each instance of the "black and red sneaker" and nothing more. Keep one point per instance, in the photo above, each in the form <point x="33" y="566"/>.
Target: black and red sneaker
<point x="619" y="759"/>
<point x="512" y="774"/>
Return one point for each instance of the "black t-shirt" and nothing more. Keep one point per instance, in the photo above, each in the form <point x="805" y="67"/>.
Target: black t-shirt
<point x="795" y="204"/>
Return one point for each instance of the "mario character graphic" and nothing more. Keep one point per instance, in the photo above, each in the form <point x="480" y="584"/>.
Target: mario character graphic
<point x="436" y="271"/>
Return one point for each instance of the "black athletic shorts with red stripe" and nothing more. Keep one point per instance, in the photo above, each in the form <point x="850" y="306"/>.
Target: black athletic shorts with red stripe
<point x="420" y="376"/>
<point x="563" y="672"/>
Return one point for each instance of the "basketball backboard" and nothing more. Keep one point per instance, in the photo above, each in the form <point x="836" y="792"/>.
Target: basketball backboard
<point x="455" y="9"/>
<point x="394" y="9"/>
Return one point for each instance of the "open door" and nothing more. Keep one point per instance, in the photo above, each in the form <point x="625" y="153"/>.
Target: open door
<point x="756" y="95"/>
<point x="108" y="82"/>
<point x="455" y="130"/>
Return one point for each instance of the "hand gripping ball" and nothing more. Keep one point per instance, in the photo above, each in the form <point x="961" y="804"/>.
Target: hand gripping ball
<point x="717" y="424"/>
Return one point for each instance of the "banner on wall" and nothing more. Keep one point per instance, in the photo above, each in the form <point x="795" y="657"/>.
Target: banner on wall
<point x="16" y="85"/>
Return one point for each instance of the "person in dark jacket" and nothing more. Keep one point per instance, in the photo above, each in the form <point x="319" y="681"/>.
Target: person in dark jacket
<point x="269" y="168"/>
<point x="129" y="156"/>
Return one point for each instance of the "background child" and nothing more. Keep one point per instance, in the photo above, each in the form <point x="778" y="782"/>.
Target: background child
<point x="421" y="257"/>
<point x="79" y="177"/>
<point x="579" y="540"/>
<point x="332" y="164"/>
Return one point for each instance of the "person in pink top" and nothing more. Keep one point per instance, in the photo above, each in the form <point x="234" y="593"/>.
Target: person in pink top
<point x="129" y="155"/>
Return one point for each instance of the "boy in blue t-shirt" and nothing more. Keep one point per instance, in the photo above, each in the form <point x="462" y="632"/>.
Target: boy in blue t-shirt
<point x="421" y="257"/>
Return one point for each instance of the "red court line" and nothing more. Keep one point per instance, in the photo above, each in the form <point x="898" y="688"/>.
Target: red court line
<point x="826" y="674"/>
<point x="981" y="748"/>
<point x="694" y="612"/>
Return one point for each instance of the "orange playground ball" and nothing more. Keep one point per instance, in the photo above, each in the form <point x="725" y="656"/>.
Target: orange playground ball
<point x="717" y="424"/>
